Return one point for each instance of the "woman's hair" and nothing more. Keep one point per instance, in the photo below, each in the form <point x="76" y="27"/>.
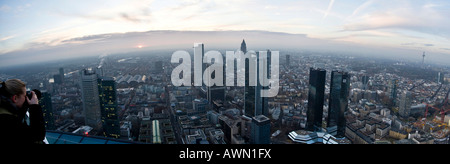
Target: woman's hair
<point x="13" y="86"/>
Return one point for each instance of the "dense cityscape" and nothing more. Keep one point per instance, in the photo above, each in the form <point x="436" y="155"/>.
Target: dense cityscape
<point x="324" y="98"/>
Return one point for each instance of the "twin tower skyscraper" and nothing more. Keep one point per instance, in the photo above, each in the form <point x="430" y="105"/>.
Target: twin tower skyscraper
<point x="338" y="101"/>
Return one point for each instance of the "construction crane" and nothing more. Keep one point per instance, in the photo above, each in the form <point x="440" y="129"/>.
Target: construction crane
<point x="426" y="109"/>
<point x="443" y="105"/>
<point x="442" y="111"/>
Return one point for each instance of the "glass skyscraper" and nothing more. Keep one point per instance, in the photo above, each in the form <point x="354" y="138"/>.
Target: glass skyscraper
<point x="315" y="99"/>
<point x="392" y="90"/>
<point x="199" y="53"/>
<point x="254" y="104"/>
<point x="47" y="110"/>
<point x="260" y="130"/>
<point x="265" y="100"/>
<point x="250" y="92"/>
<point x="338" y="102"/>
<point x="108" y="107"/>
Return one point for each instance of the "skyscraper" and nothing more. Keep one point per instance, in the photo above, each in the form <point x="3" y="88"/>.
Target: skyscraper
<point x="252" y="94"/>
<point x="265" y="100"/>
<point x="315" y="99"/>
<point x="365" y="81"/>
<point x="254" y="104"/>
<point x="439" y="78"/>
<point x="392" y="90"/>
<point x="57" y="79"/>
<point x="288" y="60"/>
<point x="260" y="130"/>
<point x="338" y="102"/>
<point x="99" y="103"/>
<point x="157" y="67"/>
<point x="199" y="53"/>
<point x="61" y="74"/>
<point x="405" y="104"/>
<point x="243" y="46"/>
<point x="249" y="91"/>
<point x="91" y="102"/>
<point x="108" y="107"/>
<point x="47" y="110"/>
<point x="215" y="92"/>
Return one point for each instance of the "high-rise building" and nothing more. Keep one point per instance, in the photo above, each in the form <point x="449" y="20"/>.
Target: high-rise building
<point x="91" y="102"/>
<point x="47" y="110"/>
<point x="315" y="99"/>
<point x="157" y="67"/>
<point x="260" y="130"/>
<point x="265" y="100"/>
<point x="57" y="79"/>
<point x="216" y="93"/>
<point x="199" y="53"/>
<point x="365" y="81"/>
<point x="243" y="47"/>
<point x="252" y="94"/>
<point x="439" y="78"/>
<point x="405" y="104"/>
<point x="338" y="101"/>
<point x="100" y="103"/>
<point x="61" y="74"/>
<point x="254" y="104"/>
<point x="108" y="107"/>
<point x="392" y="90"/>
<point x="249" y="91"/>
<point x="288" y="60"/>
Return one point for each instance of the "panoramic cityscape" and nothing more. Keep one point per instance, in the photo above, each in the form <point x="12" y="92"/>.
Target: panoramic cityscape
<point x="368" y="82"/>
<point x="131" y="97"/>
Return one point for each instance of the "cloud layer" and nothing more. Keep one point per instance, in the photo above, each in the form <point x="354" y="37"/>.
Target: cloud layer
<point x="390" y="24"/>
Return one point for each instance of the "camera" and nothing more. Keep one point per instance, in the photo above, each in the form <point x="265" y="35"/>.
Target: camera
<point x="30" y="95"/>
<point x="37" y="92"/>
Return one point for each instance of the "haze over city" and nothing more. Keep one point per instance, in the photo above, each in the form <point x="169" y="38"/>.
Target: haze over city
<point x="35" y="31"/>
<point x="225" y="72"/>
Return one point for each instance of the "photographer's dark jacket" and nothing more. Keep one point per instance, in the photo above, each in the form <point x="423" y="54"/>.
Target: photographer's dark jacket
<point x="16" y="127"/>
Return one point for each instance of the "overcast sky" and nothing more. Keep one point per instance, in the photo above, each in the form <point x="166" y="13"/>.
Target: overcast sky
<point x="417" y="25"/>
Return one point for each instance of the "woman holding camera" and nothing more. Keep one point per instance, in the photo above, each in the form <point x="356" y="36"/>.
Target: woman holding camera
<point x="16" y="126"/>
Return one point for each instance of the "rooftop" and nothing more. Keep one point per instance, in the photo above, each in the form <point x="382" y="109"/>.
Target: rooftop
<point x="308" y="137"/>
<point x="260" y="118"/>
<point x="57" y="137"/>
